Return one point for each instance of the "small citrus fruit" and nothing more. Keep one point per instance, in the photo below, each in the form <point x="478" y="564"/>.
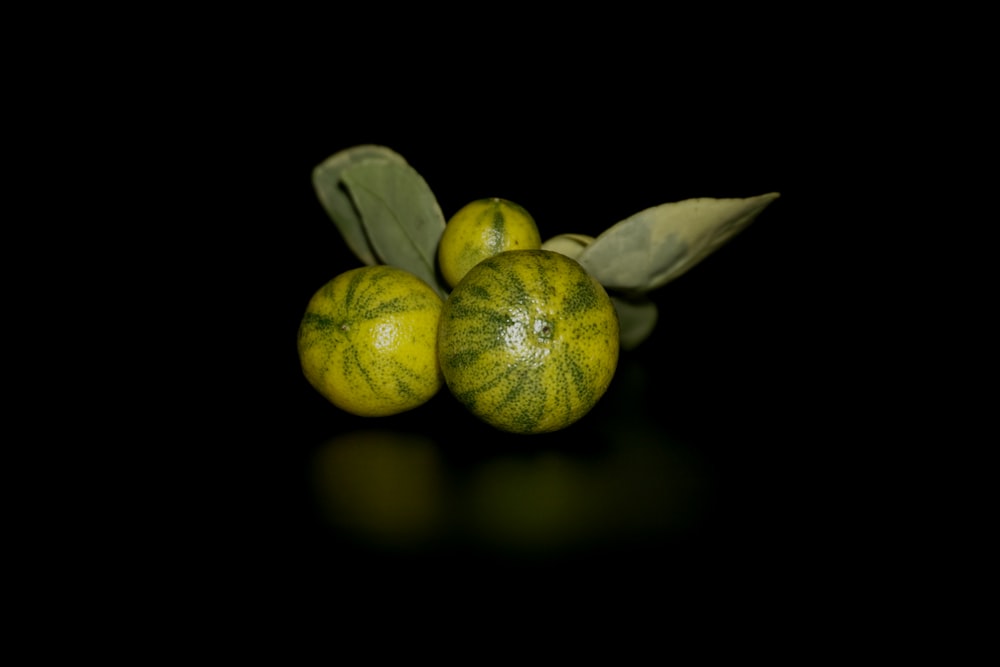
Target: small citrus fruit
<point x="367" y="341"/>
<point x="481" y="229"/>
<point x="528" y="341"/>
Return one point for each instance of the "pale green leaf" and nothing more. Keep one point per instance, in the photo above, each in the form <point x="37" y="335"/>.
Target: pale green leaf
<point x="570" y="245"/>
<point x="326" y="178"/>
<point x="653" y="247"/>
<point x="636" y="318"/>
<point x="400" y="214"/>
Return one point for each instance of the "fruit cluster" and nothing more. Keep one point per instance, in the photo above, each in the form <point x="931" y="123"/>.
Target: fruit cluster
<point x="525" y="334"/>
<point x="526" y="339"/>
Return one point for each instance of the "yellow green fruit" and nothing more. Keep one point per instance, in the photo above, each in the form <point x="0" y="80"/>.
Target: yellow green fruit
<point x="528" y="341"/>
<point x="481" y="229"/>
<point x="367" y="341"/>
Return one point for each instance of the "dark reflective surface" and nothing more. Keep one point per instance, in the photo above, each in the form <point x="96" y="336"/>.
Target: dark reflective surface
<point x="610" y="485"/>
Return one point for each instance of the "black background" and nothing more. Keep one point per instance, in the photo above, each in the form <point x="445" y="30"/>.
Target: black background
<point x="741" y="383"/>
<point x="766" y="462"/>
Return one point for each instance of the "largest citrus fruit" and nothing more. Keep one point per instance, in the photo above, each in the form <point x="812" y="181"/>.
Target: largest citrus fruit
<point x="528" y="341"/>
<point x="367" y="341"/>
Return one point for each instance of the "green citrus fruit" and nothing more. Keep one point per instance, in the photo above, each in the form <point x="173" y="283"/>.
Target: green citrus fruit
<point x="481" y="229"/>
<point x="528" y="341"/>
<point x="367" y="341"/>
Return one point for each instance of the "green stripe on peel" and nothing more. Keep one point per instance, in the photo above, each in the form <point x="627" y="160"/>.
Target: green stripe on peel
<point x="490" y="316"/>
<point x="478" y="292"/>
<point x="469" y="396"/>
<point x="405" y="389"/>
<point x="579" y="378"/>
<point x="391" y="307"/>
<point x="461" y="359"/>
<point x="352" y="287"/>
<point x="315" y="321"/>
<point x="582" y="297"/>
<point x="499" y="231"/>
<point x="508" y="283"/>
<point x="529" y="412"/>
<point x="352" y="363"/>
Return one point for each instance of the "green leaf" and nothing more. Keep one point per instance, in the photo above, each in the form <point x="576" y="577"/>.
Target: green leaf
<point x="657" y="245"/>
<point x="400" y="214"/>
<point x="570" y="245"/>
<point x="636" y="318"/>
<point x="326" y="178"/>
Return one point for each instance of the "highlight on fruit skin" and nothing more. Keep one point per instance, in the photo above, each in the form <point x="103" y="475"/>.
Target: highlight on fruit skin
<point x="528" y="341"/>
<point x="484" y="228"/>
<point x="368" y="341"/>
